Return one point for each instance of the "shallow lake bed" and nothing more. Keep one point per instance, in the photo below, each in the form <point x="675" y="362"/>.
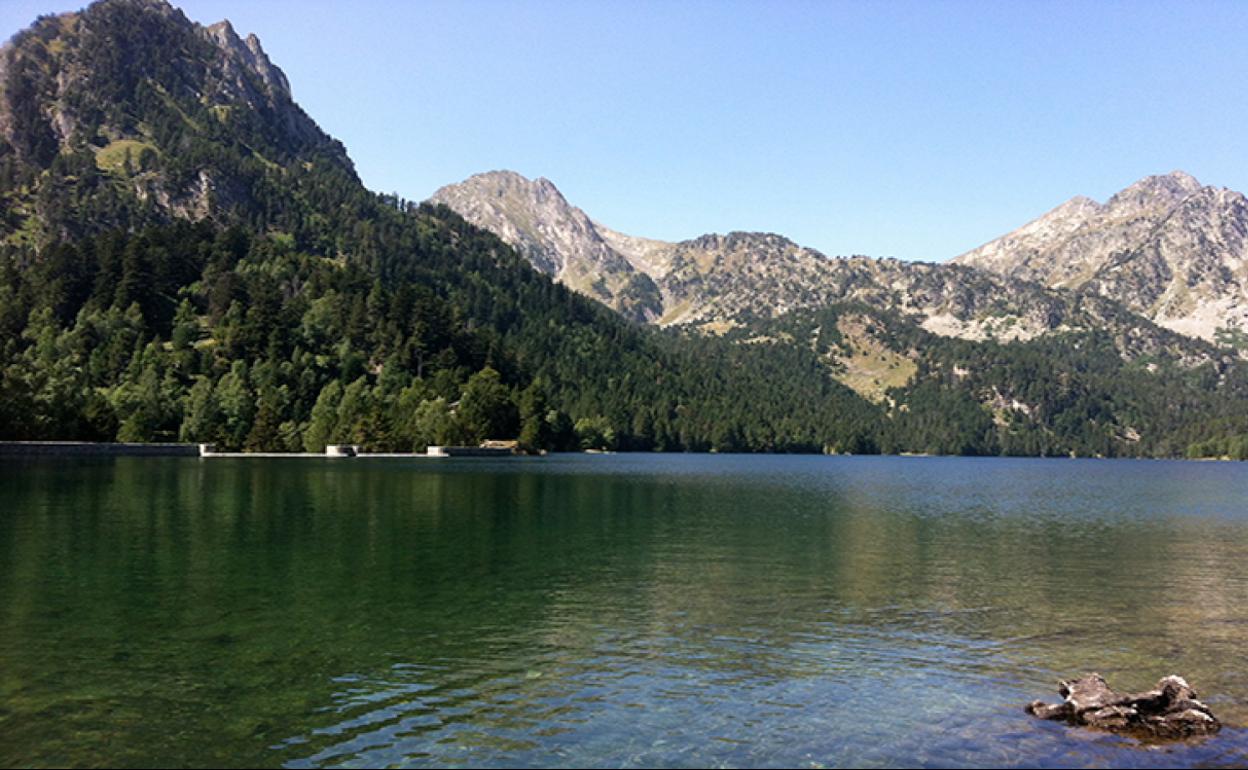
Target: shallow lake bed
<point x="622" y="610"/>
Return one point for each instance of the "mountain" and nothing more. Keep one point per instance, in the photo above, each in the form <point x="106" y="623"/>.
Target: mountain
<point x="535" y="218"/>
<point x="718" y="282"/>
<point x="185" y="255"/>
<point x="128" y="113"/>
<point x="1168" y="247"/>
<point x="1012" y="365"/>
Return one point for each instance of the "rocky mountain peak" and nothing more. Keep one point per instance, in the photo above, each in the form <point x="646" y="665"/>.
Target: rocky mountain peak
<point x="247" y="55"/>
<point x="75" y="65"/>
<point x="508" y="188"/>
<point x="706" y="279"/>
<point x="556" y="237"/>
<point x="1166" y="246"/>
<point x="503" y="179"/>
<point x="134" y="88"/>
<point x="223" y="33"/>
<point x="161" y="7"/>
<point x="718" y="281"/>
<point x="546" y="188"/>
<point x="1078" y="206"/>
<point x="737" y="239"/>
<point x="1177" y="181"/>
<point x="721" y="282"/>
<point x="1153" y="193"/>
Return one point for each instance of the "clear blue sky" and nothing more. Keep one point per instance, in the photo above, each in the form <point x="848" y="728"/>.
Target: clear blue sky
<point x="908" y="129"/>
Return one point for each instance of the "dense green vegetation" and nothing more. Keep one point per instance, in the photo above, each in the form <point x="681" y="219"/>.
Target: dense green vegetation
<point x="302" y="308"/>
<point x="198" y="333"/>
<point x="184" y="255"/>
<point x="1058" y="394"/>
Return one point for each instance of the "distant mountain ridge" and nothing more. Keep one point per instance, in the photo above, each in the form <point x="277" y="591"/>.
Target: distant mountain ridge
<point x="1168" y="247"/>
<point x="185" y="255"/>
<point x="717" y="282"/>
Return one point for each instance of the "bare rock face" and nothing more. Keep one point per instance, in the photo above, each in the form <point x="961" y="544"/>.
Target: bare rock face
<point x="63" y="79"/>
<point x="240" y="57"/>
<point x="556" y="237"/>
<point x="1167" y="247"/>
<point x="716" y="282"/>
<point x="1170" y="711"/>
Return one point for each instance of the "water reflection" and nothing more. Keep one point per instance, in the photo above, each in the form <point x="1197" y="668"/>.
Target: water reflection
<point x="608" y="611"/>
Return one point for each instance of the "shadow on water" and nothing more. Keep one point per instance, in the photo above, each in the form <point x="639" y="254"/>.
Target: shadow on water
<point x="623" y="610"/>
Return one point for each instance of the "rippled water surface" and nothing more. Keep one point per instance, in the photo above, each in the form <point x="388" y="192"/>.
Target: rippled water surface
<point x="609" y="610"/>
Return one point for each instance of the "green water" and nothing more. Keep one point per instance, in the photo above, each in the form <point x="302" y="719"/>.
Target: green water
<point x="609" y="610"/>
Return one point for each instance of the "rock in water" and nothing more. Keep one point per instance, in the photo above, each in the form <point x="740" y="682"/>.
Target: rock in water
<point x="1169" y="711"/>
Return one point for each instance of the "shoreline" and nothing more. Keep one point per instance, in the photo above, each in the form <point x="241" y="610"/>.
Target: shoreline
<point x="95" y="449"/>
<point x="15" y="449"/>
<point x="206" y="451"/>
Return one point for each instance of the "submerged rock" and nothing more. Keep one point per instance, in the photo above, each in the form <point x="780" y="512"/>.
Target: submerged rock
<point x="1169" y="711"/>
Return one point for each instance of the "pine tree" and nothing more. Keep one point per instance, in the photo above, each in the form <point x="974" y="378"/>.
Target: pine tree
<point x="324" y="418"/>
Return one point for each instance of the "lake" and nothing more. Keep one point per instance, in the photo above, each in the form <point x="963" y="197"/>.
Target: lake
<point x="625" y="610"/>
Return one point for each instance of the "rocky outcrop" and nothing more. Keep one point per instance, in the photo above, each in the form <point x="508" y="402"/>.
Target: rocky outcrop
<point x="244" y="57"/>
<point x="1169" y="711"/>
<point x="556" y="237"/>
<point x="1167" y="247"/>
<point x="63" y="82"/>
<point x="55" y="62"/>
<point x="719" y="281"/>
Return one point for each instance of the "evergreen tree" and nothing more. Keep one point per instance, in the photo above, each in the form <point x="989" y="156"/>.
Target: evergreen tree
<point x="486" y="409"/>
<point x="324" y="418"/>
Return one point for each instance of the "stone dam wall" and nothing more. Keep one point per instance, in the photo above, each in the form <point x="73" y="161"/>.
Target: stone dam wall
<point x="87" y="449"/>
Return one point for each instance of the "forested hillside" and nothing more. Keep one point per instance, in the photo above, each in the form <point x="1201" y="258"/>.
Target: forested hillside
<point x="185" y="255"/>
<point x="228" y="279"/>
<point x="1061" y="394"/>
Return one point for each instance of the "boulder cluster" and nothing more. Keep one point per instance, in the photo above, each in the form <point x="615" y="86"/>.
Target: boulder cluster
<point x="1169" y="711"/>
